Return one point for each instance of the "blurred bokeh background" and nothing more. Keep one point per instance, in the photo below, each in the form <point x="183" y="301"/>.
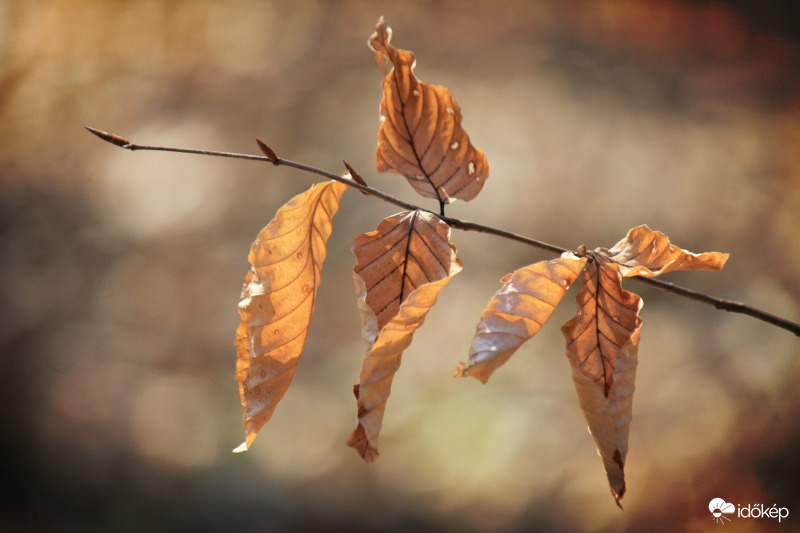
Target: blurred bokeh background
<point x="120" y="272"/>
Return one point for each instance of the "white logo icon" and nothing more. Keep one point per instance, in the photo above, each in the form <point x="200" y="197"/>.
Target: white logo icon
<point x="719" y="508"/>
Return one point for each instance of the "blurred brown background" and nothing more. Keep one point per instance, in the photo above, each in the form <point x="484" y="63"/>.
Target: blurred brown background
<point x="120" y="272"/>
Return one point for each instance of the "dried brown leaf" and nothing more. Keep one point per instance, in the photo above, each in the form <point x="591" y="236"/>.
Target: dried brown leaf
<point x="644" y="252"/>
<point x="420" y="135"/>
<point x="602" y="346"/>
<point x="401" y="268"/>
<point x="278" y="299"/>
<point x="405" y="251"/>
<point x="517" y="312"/>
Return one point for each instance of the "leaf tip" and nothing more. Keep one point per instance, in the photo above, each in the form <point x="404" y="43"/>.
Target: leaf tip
<point x="382" y="27"/>
<point x="619" y="492"/>
<point x="379" y="44"/>
<point x="359" y="441"/>
<point x="617" y="500"/>
<point x="461" y="371"/>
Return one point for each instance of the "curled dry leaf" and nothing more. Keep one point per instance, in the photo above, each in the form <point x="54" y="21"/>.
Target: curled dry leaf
<point x="602" y="348"/>
<point x="278" y="299"/>
<point x="420" y="135"/>
<point x="644" y="252"/>
<point x="517" y="312"/>
<point x="406" y="251"/>
<point x="401" y="267"/>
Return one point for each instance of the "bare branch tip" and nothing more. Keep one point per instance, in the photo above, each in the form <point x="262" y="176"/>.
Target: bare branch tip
<point x="267" y="151"/>
<point x="110" y="137"/>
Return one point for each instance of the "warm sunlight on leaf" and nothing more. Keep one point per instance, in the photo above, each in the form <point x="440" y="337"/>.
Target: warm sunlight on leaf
<point x="403" y="264"/>
<point x="401" y="268"/>
<point x="644" y="252"/>
<point x="517" y="312"/>
<point x="405" y="251"/>
<point x="602" y="343"/>
<point x="602" y="338"/>
<point x="278" y="299"/>
<point x="420" y="135"/>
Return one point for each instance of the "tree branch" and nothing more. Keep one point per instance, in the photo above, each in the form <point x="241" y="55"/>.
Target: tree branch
<point x="727" y="305"/>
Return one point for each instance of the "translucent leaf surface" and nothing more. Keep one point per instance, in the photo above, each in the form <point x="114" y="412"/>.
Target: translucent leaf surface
<point x="602" y="348"/>
<point x="517" y="312"/>
<point x="406" y="251"/>
<point x="644" y="252"/>
<point x="420" y="135"/>
<point x="278" y="299"/>
<point x="401" y="268"/>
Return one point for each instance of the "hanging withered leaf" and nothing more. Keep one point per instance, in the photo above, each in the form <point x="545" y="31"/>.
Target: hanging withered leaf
<point x="420" y="135"/>
<point x="401" y="267"/>
<point x="602" y="338"/>
<point x="278" y="300"/>
<point x="602" y="343"/>
<point x="517" y="312"/>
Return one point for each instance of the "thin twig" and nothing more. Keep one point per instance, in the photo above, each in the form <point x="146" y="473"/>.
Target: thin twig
<point x="727" y="305"/>
<point x="272" y="158"/>
<point x="275" y="160"/>
<point x="472" y="226"/>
